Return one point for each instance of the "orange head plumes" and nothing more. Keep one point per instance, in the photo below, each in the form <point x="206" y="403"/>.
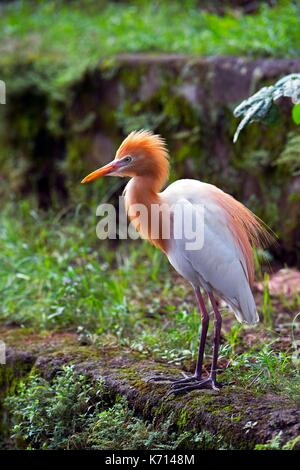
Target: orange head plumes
<point x="142" y="153"/>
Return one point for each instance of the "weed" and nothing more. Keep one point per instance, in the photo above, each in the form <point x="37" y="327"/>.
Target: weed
<point x="276" y="443"/>
<point x="263" y="370"/>
<point x="47" y="414"/>
<point x="233" y="338"/>
<point x="273" y="444"/>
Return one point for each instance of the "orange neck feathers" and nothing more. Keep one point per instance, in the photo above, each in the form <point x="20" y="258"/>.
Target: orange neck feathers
<point x="148" y="177"/>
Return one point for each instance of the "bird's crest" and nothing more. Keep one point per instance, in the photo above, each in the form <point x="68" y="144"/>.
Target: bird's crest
<point x="143" y="140"/>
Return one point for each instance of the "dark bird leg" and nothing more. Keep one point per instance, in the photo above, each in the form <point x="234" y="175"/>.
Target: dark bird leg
<point x="198" y="371"/>
<point x="185" y="386"/>
<point x="204" y="328"/>
<point x="217" y="336"/>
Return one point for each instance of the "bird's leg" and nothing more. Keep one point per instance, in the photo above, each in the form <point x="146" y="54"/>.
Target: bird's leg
<point x="183" y="385"/>
<point x="204" y="327"/>
<point x="198" y="371"/>
<point x="217" y="335"/>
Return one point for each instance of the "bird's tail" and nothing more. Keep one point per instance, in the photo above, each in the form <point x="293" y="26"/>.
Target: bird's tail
<point x="245" y="310"/>
<point x="244" y="306"/>
<point x="248" y="230"/>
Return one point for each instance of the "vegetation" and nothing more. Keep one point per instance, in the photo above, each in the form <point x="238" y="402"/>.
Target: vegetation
<point x="62" y="40"/>
<point x="70" y="413"/>
<point x="276" y="443"/>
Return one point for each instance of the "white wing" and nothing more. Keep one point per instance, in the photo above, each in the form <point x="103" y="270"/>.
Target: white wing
<point x="219" y="265"/>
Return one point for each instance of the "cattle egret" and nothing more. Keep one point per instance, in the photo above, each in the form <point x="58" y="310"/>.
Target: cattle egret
<point x="222" y="266"/>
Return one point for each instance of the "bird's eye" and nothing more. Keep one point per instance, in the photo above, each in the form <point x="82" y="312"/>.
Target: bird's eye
<point x="128" y="159"/>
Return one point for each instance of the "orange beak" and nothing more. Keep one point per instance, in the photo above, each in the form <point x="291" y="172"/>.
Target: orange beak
<point x="103" y="171"/>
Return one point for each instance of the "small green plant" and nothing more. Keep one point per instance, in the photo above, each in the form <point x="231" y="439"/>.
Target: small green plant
<point x="261" y="257"/>
<point x="290" y="156"/>
<point x="176" y="341"/>
<point x="233" y="338"/>
<point x="202" y="440"/>
<point x="273" y="444"/>
<point x="276" y="443"/>
<point x="292" y="444"/>
<point x="47" y="414"/>
<point x="295" y="341"/>
<point x="115" y="427"/>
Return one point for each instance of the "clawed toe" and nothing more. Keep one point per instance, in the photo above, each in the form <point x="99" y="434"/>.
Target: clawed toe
<point x="162" y="378"/>
<point x="193" y="384"/>
<point x="185" y="380"/>
<point x="186" y="384"/>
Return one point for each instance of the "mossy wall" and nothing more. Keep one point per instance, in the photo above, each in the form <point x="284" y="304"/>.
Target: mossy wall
<point x="49" y="141"/>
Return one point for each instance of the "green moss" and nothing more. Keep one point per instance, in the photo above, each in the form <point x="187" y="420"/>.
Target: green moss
<point x="183" y="419"/>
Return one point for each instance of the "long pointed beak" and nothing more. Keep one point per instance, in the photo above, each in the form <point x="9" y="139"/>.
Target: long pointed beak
<point x="103" y="171"/>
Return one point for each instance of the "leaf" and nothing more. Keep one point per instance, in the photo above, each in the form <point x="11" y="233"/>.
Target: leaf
<point x="259" y="105"/>
<point x="296" y="113"/>
<point x="249" y="117"/>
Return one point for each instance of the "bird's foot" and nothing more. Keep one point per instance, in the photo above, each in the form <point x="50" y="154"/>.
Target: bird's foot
<point x="193" y="383"/>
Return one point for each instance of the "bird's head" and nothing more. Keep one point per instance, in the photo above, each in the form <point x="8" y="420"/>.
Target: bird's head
<point x="142" y="153"/>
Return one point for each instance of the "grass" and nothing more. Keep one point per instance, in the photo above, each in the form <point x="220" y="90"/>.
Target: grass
<point x="56" y="274"/>
<point x="60" y="41"/>
<point x="264" y="369"/>
<point x="49" y="264"/>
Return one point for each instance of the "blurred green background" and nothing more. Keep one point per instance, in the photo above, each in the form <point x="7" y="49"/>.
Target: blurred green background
<point x="79" y="76"/>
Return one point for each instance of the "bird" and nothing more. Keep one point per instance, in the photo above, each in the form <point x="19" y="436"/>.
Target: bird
<point x="222" y="266"/>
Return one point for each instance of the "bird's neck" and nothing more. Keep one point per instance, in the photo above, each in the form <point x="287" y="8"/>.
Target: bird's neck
<point x="141" y="190"/>
<point x="143" y="203"/>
